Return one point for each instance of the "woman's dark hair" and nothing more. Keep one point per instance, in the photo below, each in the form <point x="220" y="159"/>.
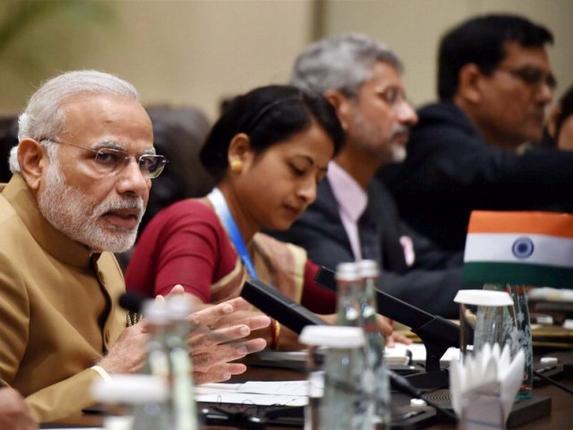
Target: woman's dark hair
<point x="268" y="115"/>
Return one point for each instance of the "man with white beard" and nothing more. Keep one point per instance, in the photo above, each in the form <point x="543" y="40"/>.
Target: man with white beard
<point x="354" y="217"/>
<point x="82" y="173"/>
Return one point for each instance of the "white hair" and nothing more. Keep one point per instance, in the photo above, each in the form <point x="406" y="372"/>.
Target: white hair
<point x="43" y="117"/>
<point x="341" y="62"/>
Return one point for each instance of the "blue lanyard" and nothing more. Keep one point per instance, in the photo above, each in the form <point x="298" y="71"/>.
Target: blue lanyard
<point x="222" y="210"/>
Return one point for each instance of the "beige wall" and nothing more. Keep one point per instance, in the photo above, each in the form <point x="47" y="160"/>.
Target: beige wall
<point x="196" y="51"/>
<point x="413" y="28"/>
<point x="179" y="51"/>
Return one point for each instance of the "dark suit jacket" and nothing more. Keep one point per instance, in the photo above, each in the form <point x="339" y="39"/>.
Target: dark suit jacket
<point x="321" y="233"/>
<point x="450" y="171"/>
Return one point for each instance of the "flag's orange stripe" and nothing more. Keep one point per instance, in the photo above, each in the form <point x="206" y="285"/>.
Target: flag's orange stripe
<point x="549" y="223"/>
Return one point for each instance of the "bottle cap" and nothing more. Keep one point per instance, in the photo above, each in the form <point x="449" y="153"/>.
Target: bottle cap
<point x="347" y="272"/>
<point x="130" y="389"/>
<point x="483" y="298"/>
<point x="337" y="337"/>
<point x="178" y="306"/>
<point x="368" y="268"/>
<point x="155" y="312"/>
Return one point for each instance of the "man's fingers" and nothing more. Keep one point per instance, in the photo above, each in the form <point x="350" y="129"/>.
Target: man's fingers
<point x="398" y="338"/>
<point x="221" y="354"/>
<point x="258" y="322"/>
<point x="383" y="326"/>
<point x="212" y="314"/>
<point x="255" y="345"/>
<point x="203" y="337"/>
<point x="15" y="413"/>
<point x="239" y="304"/>
<point x="218" y="373"/>
<point x="127" y="354"/>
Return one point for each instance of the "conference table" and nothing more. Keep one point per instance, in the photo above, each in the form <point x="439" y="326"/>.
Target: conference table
<point x="561" y="416"/>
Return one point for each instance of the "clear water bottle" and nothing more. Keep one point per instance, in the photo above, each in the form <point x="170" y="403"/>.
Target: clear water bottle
<point x="369" y="273"/>
<point x="157" y="318"/>
<point x="133" y="402"/>
<point x="338" y="405"/>
<point x="155" y="415"/>
<point x="350" y="298"/>
<point x="349" y="290"/>
<point x="182" y="398"/>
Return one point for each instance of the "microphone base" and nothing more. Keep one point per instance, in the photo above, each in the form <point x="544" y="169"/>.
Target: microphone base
<point x="429" y="381"/>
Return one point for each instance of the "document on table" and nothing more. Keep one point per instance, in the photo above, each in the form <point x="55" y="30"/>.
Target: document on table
<point x="263" y="393"/>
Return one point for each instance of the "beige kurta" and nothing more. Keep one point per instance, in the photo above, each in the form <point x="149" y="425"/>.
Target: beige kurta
<point x="58" y="311"/>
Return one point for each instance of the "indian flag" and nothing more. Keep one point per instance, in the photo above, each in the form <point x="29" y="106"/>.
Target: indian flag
<point x="527" y="248"/>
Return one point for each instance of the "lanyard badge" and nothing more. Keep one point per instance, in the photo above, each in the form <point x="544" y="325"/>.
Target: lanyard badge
<point x="222" y="210"/>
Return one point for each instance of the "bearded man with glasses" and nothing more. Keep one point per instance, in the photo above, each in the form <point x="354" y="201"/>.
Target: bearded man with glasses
<point x="82" y="172"/>
<point x="494" y="82"/>
<point x="354" y="217"/>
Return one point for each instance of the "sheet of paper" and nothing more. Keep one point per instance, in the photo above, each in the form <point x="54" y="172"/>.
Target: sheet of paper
<point x="287" y="393"/>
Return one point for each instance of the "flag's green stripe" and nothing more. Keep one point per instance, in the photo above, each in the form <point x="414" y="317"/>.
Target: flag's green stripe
<point x="515" y="273"/>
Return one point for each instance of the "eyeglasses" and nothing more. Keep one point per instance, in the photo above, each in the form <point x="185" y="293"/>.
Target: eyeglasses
<point x="107" y="161"/>
<point x="532" y="76"/>
<point x="392" y="96"/>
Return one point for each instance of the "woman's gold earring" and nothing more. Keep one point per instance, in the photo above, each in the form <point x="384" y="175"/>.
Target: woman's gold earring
<point x="236" y="166"/>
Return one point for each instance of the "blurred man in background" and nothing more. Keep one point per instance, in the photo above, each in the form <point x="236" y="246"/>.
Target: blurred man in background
<point x="494" y="84"/>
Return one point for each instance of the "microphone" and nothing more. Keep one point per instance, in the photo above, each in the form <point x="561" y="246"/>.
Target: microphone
<point x="131" y="302"/>
<point x="277" y="306"/>
<point x="437" y="333"/>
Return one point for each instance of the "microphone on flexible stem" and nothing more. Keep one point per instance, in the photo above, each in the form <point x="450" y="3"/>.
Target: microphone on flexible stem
<point x="437" y="333"/>
<point x="296" y="317"/>
<point x="286" y="311"/>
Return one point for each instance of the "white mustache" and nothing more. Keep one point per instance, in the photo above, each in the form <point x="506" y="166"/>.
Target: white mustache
<point x="125" y="203"/>
<point x="401" y="130"/>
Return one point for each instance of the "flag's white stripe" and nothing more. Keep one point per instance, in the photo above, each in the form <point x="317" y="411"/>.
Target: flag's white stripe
<point x="497" y="247"/>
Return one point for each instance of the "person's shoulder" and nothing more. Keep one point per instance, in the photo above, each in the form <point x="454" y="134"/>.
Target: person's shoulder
<point x="11" y="225"/>
<point x="188" y="211"/>
<point x="6" y="210"/>
<point x="443" y="110"/>
<point x="179" y="217"/>
<point x="443" y="126"/>
<point x="444" y="116"/>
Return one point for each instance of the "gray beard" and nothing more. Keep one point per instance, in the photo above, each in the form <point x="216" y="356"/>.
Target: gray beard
<point x="70" y="211"/>
<point x="370" y="138"/>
